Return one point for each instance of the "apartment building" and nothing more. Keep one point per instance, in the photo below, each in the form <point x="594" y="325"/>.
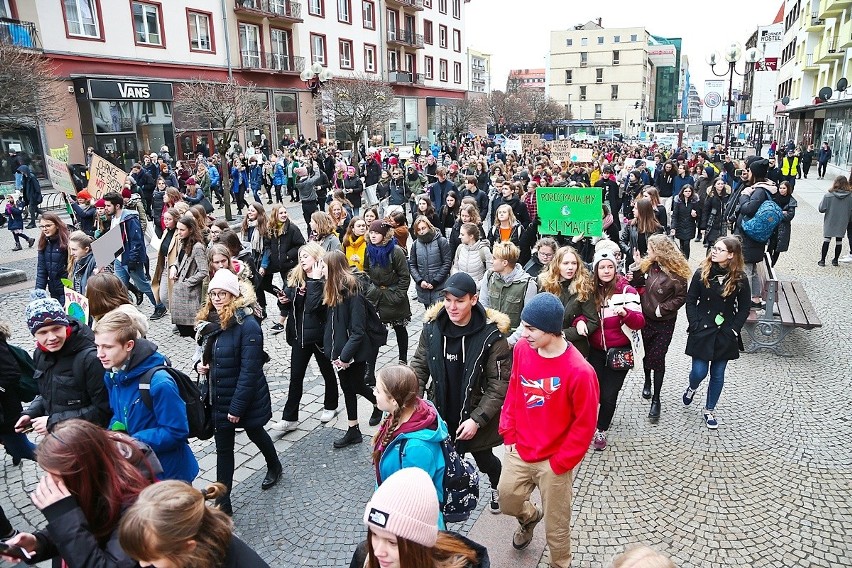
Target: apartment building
<point x="479" y="73"/>
<point x="527" y="80"/>
<point x="122" y="62"/>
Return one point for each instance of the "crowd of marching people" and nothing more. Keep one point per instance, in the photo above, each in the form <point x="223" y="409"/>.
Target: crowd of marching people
<point x="527" y="337"/>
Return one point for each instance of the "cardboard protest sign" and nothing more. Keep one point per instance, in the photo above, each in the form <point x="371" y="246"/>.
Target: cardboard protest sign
<point x="530" y="141"/>
<point x="60" y="177"/>
<point x="560" y="150"/>
<point x="76" y="305"/>
<point x="570" y="211"/>
<point x="581" y="155"/>
<point x="104" y="177"/>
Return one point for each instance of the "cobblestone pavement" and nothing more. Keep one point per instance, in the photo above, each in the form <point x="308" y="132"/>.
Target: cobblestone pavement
<point x="770" y="487"/>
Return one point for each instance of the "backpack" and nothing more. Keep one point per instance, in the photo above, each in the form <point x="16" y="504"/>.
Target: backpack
<point x="198" y="411"/>
<point x="377" y="332"/>
<point x="461" y="483"/>
<point x="27" y="387"/>
<point x="760" y="227"/>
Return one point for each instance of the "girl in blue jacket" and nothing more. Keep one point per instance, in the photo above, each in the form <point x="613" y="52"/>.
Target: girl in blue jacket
<point x="412" y="431"/>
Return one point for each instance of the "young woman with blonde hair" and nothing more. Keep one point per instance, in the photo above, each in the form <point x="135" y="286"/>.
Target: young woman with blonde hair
<point x="717" y="306"/>
<point x="660" y="278"/>
<point x="324" y="231"/>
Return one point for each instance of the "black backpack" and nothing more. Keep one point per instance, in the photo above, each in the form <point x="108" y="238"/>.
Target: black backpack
<point x="377" y="332"/>
<point x="198" y="411"/>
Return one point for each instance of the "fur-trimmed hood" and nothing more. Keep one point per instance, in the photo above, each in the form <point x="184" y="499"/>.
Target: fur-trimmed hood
<point x="5" y="331"/>
<point x="500" y="319"/>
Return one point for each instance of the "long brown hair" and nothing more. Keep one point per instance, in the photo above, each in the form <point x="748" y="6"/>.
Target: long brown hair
<point x="169" y="514"/>
<point x="736" y="266"/>
<point x="401" y="384"/>
<point x="646" y="220"/>
<point x="93" y="469"/>
<point x="550" y="279"/>
<point x="340" y="283"/>
<point x="840" y="184"/>
<point x="105" y="292"/>
<point x="61" y="231"/>
<point x="297" y="276"/>
<point x="262" y="221"/>
<point x="82" y="240"/>
<point x="195" y="234"/>
<point x="449" y="552"/>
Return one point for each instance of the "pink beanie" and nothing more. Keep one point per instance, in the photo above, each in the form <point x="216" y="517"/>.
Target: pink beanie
<point x="406" y="505"/>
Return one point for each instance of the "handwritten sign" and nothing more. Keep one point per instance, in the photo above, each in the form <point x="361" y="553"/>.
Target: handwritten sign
<point x="530" y="141"/>
<point x="581" y="155"/>
<point x="104" y="177"/>
<point x="76" y="305"/>
<point x="57" y="172"/>
<point x="60" y="154"/>
<point x="560" y="150"/>
<point x="570" y="211"/>
<point x="512" y="146"/>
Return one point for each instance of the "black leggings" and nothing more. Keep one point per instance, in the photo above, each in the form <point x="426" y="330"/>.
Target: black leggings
<point x="402" y="341"/>
<point x="610" y="383"/>
<point x="684" y="247"/>
<point x="821" y="169"/>
<point x="278" y="193"/>
<point x="352" y="384"/>
<point x="299" y="359"/>
<point x="224" y="438"/>
<point x="240" y="198"/>
<point x="488" y="464"/>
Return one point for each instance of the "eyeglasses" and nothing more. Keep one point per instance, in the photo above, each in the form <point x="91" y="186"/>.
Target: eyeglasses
<point x="218" y="294"/>
<point x="47" y="226"/>
<point x="719" y="249"/>
<point x="545" y="254"/>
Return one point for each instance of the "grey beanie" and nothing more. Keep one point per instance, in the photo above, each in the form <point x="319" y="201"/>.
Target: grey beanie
<point x="544" y="312"/>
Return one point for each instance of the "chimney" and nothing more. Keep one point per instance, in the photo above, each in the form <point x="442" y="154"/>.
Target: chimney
<point x="599" y="21"/>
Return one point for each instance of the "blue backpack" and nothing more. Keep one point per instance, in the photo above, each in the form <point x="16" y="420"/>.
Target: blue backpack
<point x="759" y="228"/>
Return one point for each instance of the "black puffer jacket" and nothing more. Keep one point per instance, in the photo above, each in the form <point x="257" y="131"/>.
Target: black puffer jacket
<point x="683" y="223"/>
<point x="10" y="374"/>
<point x="71" y="381"/>
<point x="353" y="187"/>
<point x="388" y="287"/>
<point x="51" y="268"/>
<point x="284" y="249"/>
<point x="709" y="340"/>
<point x="306" y="314"/>
<point x="345" y="334"/>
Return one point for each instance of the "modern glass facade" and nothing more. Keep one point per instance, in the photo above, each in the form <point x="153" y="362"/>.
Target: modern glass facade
<point x="837" y="131"/>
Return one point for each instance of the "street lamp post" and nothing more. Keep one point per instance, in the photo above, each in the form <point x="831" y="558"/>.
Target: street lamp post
<point x="732" y="55"/>
<point x="315" y="76"/>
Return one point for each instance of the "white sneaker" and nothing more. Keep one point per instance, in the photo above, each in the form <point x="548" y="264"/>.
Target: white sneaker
<point x="284" y="426"/>
<point x="847" y="258"/>
<point x="328" y="415"/>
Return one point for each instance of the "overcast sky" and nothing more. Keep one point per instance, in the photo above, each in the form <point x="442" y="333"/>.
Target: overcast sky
<point x="517" y="32"/>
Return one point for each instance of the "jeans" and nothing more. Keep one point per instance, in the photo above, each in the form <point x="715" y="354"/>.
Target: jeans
<point x="299" y="359"/>
<point x="717" y="379"/>
<point x="256" y="194"/>
<point x="352" y="384"/>
<point x="224" y="438"/>
<point x="137" y="274"/>
<point x="821" y="166"/>
<point x="18" y="446"/>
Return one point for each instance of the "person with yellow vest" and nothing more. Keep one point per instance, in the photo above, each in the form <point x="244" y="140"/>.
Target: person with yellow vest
<point x="790" y="167"/>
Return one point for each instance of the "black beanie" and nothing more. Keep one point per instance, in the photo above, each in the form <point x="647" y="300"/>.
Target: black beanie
<point x="759" y="168"/>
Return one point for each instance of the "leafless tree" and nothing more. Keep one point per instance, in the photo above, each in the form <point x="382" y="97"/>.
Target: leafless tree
<point x="506" y="108"/>
<point x="28" y="84"/>
<point x="225" y="108"/>
<point x="543" y="109"/>
<point x="358" y="105"/>
<point x="463" y="114"/>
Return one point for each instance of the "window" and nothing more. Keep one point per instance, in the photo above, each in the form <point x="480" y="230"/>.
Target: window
<point x="584" y="41"/>
<point x="569" y="76"/>
<point x="582" y="92"/>
<point x="318" y="54"/>
<point x="598" y="111"/>
<point x="615" y="57"/>
<point x="369" y="12"/>
<point x="598" y="75"/>
<point x="428" y="67"/>
<point x="410" y="62"/>
<point x="200" y="34"/>
<point x="442" y="6"/>
<point x="442" y="36"/>
<point x="427" y="32"/>
<point x="250" y="45"/>
<point x="584" y="59"/>
<point x="369" y="58"/>
<point x="146" y="24"/>
<point x="457" y="72"/>
<point x="149" y="108"/>
<point x="5" y="10"/>
<point x="569" y="42"/>
<point x="614" y="92"/>
<point x="393" y="60"/>
<point x="634" y="37"/>
<point x="345" y="51"/>
<point x="280" y="50"/>
<point x="457" y="40"/>
<point x="457" y="9"/>
<point x="427" y="3"/>
<point x="442" y="70"/>
<point x="316" y="8"/>
<point x="600" y="40"/>
<point x="344" y="12"/>
<point x="82" y="18"/>
<point x="392" y="24"/>
<point x="616" y="39"/>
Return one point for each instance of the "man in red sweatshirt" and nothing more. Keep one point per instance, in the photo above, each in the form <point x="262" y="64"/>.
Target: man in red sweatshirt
<point x="547" y="423"/>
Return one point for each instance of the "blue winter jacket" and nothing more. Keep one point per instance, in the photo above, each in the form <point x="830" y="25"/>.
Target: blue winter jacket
<point x="86" y="217"/>
<point x="422" y="449"/>
<point x="51" y="268"/>
<point x="16" y="217"/>
<point x="214" y="175"/>
<point x="239" y="180"/>
<point x="163" y="427"/>
<point x="133" y="238"/>
<point x="279" y="174"/>
<point x="679" y="182"/>
<point x="255" y="177"/>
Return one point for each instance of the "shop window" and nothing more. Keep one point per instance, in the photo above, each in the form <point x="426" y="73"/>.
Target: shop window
<point x="147" y="24"/>
<point x="82" y="18"/>
<point x="200" y="32"/>
<point x="286" y="117"/>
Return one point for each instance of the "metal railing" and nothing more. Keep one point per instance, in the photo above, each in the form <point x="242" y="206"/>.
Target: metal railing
<point x="415" y="4"/>
<point x="19" y="33"/>
<point x="406" y="77"/>
<point x="406" y="37"/>
<point x="272" y="62"/>
<point x="285" y="9"/>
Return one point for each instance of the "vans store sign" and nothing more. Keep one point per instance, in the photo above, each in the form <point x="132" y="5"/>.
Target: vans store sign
<point x="129" y="90"/>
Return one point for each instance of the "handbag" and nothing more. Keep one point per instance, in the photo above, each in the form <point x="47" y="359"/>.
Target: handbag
<point x="208" y="207"/>
<point x="619" y="358"/>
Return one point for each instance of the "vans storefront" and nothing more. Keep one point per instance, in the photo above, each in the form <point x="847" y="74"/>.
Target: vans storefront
<point x="124" y="119"/>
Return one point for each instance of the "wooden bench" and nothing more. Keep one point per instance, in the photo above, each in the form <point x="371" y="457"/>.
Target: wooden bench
<point x="787" y="307"/>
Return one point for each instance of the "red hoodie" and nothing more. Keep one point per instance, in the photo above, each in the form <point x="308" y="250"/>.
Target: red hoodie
<point x="551" y="407"/>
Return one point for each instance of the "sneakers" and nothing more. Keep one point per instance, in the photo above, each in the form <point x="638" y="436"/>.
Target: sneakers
<point x="285" y="426"/>
<point x="16" y="248"/>
<point x="277" y="328"/>
<point x="710" y="419"/>
<point x="328" y="415"/>
<point x="524" y="533"/>
<point x="159" y="312"/>
<point x="494" y="507"/>
<point x="846" y="258"/>
<point x="352" y="436"/>
<point x="688" y="395"/>
<point x="599" y="441"/>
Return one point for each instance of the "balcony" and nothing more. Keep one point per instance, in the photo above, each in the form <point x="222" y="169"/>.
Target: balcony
<point x="280" y="10"/>
<point x="813" y="23"/>
<point x="405" y="38"/>
<point x="271" y="62"/>
<point x="832" y="8"/>
<point x="809" y="63"/>
<point x="410" y="4"/>
<point x="405" y="78"/>
<point x="829" y="50"/>
<point x="19" y="34"/>
<point x="844" y="36"/>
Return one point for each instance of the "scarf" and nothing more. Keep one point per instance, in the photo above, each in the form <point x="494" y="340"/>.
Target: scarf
<point x="380" y="255"/>
<point x="427" y="237"/>
<point x="256" y="238"/>
<point x="782" y="200"/>
<point x="204" y="331"/>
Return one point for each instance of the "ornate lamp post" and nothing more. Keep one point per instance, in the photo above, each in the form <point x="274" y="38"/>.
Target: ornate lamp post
<point x="732" y="55"/>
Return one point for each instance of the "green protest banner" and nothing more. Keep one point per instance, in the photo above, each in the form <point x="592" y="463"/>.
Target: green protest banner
<point x="570" y="211"/>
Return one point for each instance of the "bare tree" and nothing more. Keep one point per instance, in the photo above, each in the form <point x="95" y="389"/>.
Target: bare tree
<point x="463" y="114"/>
<point x="28" y="82"/>
<point x="225" y="108"/>
<point x="543" y="109"/>
<point x="358" y="105"/>
<point x="506" y="108"/>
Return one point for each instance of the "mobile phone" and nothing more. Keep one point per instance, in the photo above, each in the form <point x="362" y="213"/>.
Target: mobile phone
<point x="738" y="173"/>
<point x="14" y="551"/>
<point x="277" y="291"/>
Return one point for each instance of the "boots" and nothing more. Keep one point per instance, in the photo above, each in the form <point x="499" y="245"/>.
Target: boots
<point x="352" y="436"/>
<point x="31" y="240"/>
<point x="17" y="247"/>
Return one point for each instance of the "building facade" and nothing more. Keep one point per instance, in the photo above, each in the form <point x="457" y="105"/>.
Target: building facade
<point x="121" y="64"/>
<point x="526" y="80"/>
<point x="479" y="73"/>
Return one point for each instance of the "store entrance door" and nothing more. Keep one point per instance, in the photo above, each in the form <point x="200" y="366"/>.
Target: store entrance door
<point x="120" y="149"/>
<point x="194" y="143"/>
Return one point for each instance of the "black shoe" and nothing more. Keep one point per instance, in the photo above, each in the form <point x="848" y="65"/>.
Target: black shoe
<point x="30" y="226"/>
<point x="140" y="297"/>
<point x="272" y="476"/>
<point x="654" y="413"/>
<point x="15" y="461"/>
<point x="225" y="506"/>
<point x="352" y="436"/>
<point x="834" y="262"/>
<point x="646" y="392"/>
<point x="159" y="312"/>
<point x="31" y="241"/>
<point x="269" y="202"/>
<point x="821" y="263"/>
<point x="16" y="247"/>
<point x="376" y="416"/>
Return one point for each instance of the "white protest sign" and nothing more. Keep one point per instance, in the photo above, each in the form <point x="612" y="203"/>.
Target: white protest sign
<point x="57" y="172"/>
<point x="581" y="155"/>
<point x="107" y="248"/>
<point x="512" y="146"/>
